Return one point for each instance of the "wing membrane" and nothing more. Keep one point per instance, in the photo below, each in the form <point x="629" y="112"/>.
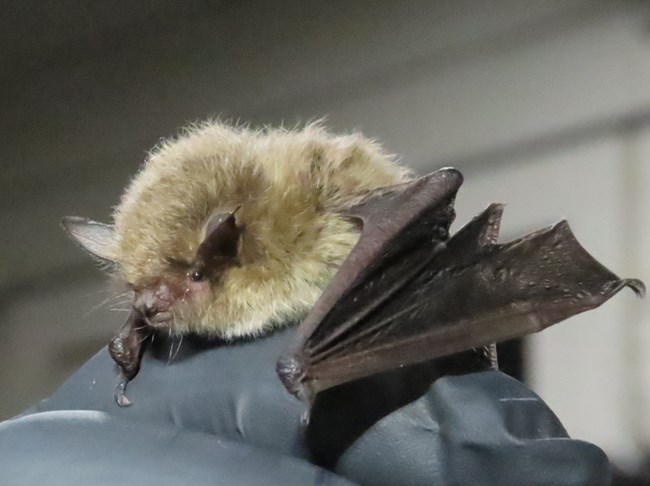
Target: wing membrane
<point x="412" y="294"/>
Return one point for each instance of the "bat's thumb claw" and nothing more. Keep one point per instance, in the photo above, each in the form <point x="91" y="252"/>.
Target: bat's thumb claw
<point x="120" y="395"/>
<point x="122" y="400"/>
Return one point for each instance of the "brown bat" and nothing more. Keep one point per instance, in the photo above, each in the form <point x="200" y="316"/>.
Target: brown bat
<point x="232" y="232"/>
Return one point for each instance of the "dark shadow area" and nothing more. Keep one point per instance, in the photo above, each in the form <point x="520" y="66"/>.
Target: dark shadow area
<point x="341" y="414"/>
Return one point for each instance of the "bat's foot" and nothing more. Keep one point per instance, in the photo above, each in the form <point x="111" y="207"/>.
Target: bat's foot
<point x="306" y="396"/>
<point x="305" y="417"/>
<point x="120" y="394"/>
<point x="494" y="357"/>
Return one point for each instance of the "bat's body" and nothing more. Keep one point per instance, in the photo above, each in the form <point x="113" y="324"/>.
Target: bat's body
<point x="231" y="232"/>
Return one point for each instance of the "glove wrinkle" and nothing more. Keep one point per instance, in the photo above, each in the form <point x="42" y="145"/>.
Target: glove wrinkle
<point x="218" y="410"/>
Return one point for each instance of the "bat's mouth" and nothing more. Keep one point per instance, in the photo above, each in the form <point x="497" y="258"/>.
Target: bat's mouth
<point x="155" y="306"/>
<point x="160" y="319"/>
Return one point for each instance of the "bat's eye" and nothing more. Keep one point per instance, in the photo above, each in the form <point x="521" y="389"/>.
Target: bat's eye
<point x="196" y="276"/>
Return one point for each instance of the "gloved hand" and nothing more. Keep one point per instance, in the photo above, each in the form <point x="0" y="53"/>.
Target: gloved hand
<point x="217" y="414"/>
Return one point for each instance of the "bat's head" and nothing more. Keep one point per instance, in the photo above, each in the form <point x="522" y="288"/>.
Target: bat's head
<point x="228" y="231"/>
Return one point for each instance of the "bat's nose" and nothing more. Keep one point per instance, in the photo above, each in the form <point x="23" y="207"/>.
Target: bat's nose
<point x="145" y="302"/>
<point x="151" y="302"/>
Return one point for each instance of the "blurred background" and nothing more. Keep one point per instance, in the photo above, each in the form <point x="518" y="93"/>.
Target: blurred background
<point x="544" y="105"/>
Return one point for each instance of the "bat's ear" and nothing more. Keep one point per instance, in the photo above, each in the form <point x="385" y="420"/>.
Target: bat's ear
<point x="221" y="243"/>
<point x="93" y="237"/>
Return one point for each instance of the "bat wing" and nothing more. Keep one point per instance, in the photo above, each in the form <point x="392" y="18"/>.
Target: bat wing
<point x="408" y="293"/>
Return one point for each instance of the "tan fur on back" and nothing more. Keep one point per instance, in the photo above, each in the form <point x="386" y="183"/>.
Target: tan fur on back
<point x="286" y="182"/>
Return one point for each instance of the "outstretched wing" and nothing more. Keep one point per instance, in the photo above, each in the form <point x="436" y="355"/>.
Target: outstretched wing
<point x="407" y="293"/>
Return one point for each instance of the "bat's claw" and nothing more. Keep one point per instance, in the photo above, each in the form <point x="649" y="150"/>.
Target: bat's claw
<point x="306" y="396"/>
<point x="494" y="356"/>
<point x="120" y="394"/>
<point x="305" y="417"/>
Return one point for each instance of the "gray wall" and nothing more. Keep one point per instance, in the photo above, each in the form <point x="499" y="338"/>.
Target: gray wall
<point x="543" y="104"/>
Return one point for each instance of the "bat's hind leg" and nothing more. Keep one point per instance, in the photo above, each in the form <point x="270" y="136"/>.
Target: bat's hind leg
<point x="126" y="350"/>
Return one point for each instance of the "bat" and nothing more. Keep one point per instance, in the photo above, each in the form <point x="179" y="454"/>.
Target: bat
<point x="232" y="232"/>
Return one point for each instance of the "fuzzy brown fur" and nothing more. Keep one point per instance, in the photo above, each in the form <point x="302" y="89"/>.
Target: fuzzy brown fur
<point x="288" y="183"/>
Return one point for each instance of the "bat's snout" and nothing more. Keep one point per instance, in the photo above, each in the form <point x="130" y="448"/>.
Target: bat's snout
<point x="155" y="305"/>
